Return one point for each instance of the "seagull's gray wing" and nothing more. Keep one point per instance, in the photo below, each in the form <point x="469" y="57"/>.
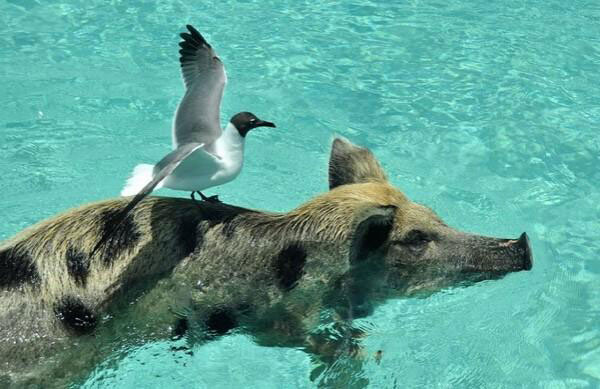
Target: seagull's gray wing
<point x="161" y="171"/>
<point x="197" y="117"/>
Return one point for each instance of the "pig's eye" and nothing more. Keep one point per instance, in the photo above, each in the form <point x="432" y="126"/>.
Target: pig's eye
<point x="416" y="238"/>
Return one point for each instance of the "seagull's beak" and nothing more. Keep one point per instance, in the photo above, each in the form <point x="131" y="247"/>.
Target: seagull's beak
<point x="262" y="123"/>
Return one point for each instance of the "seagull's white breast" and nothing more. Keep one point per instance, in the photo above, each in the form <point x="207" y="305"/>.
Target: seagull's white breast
<point x="203" y="169"/>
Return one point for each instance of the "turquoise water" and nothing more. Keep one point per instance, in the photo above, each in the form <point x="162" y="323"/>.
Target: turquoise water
<point x="489" y="112"/>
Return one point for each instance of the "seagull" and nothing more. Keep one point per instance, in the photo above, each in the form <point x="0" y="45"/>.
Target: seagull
<point x="204" y="155"/>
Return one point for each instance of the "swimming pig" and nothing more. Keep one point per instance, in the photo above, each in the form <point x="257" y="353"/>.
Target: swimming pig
<point x="176" y="268"/>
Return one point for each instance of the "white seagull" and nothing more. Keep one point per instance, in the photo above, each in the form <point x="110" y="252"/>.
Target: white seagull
<point x="203" y="154"/>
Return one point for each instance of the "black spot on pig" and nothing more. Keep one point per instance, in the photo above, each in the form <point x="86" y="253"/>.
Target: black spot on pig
<point x="78" y="265"/>
<point x="289" y="265"/>
<point x="75" y="315"/>
<point x="221" y="321"/>
<point x="17" y="268"/>
<point x="120" y="236"/>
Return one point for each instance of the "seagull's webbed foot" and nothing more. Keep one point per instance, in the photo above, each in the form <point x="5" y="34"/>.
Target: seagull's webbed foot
<point x="210" y="199"/>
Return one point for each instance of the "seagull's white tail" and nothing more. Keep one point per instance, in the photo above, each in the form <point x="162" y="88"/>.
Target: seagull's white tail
<point x="141" y="176"/>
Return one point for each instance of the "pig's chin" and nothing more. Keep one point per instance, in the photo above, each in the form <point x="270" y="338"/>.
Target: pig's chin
<point x="424" y="283"/>
<point x="489" y="270"/>
<point x="465" y="276"/>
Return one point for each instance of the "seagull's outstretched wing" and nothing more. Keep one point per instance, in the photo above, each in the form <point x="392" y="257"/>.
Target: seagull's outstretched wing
<point x="162" y="169"/>
<point x="197" y="117"/>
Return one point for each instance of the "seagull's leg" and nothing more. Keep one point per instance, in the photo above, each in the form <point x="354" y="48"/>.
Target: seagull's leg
<point x="194" y="198"/>
<point x="210" y="199"/>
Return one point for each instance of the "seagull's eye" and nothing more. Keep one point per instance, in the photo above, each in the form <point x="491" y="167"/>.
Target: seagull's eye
<point x="252" y="121"/>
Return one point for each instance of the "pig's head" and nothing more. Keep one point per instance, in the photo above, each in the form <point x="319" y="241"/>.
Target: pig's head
<point x="417" y="251"/>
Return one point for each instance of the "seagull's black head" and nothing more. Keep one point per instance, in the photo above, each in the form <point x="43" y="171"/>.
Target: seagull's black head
<point x="245" y="121"/>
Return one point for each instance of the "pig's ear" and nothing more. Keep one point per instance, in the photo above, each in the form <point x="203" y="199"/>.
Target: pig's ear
<point x="371" y="231"/>
<point x="350" y="164"/>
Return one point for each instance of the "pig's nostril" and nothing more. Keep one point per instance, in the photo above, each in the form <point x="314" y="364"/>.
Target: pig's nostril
<point x="523" y="242"/>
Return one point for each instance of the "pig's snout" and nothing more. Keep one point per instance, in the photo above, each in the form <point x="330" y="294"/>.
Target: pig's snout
<point x="523" y="247"/>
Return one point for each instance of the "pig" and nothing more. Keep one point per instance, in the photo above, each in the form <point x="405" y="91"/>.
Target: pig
<point x="194" y="271"/>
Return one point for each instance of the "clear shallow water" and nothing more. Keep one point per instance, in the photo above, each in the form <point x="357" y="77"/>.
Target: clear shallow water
<point x="488" y="113"/>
